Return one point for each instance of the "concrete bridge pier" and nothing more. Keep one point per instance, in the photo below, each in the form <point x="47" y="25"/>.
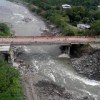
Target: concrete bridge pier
<point x="67" y="49"/>
<point x="65" y="52"/>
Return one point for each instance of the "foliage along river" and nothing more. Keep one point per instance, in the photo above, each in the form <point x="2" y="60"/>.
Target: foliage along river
<point x="44" y="58"/>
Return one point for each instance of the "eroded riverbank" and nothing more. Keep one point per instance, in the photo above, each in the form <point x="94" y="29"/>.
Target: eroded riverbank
<point x="88" y="65"/>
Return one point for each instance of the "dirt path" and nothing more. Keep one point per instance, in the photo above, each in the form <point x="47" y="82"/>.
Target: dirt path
<point x="29" y="87"/>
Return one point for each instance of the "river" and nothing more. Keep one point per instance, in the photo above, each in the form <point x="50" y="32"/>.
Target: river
<point x="44" y="59"/>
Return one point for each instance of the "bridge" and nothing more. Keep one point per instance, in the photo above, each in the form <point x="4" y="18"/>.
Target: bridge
<point x="51" y="40"/>
<point x="38" y="40"/>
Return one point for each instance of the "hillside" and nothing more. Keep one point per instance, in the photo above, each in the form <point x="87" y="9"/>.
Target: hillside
<point x="81" y="11"/>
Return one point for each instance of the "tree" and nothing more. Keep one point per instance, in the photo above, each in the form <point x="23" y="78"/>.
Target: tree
<point x="96" y="27"/>
<point x="96" y="14"/>
<point x="76" y="14"/>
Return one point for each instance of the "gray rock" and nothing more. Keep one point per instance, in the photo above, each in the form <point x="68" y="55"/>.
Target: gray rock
<point x="88" y="65"/>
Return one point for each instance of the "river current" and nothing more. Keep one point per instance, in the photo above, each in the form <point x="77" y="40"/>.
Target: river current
<point x="45" y="58"/>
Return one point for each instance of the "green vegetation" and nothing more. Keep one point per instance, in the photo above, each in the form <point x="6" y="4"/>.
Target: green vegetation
<point x="4" y="30"/>
<point x="10" y="88"/>
<point x="96" y="27"/>
<point x="82" y="11"/>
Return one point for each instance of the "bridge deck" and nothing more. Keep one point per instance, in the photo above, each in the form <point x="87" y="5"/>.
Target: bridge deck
<point x="48" y="39"/>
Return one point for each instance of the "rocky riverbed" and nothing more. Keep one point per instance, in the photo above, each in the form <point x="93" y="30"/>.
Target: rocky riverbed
<point x="50" y="91"/>
<point x="39" y="87"/>
<point x="88" y="65"/>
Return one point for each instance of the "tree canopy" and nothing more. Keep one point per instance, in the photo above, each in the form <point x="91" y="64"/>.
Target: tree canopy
<point x="4" y="30"/>
<point x="82" y="11"/>
<point x="96" y="27"/>
<point x="10" y="88"/>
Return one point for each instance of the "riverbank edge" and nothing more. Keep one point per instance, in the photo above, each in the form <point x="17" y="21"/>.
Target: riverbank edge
<point x="49" y="31"/>
<point x="16" y="84"/>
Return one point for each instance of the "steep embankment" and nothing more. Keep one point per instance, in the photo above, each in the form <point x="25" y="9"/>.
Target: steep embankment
<point x="88" y="65"/>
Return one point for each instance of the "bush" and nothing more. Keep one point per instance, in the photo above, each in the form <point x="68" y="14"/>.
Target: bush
<point x="10" y="88"/>
<point x="4" y="30"/>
